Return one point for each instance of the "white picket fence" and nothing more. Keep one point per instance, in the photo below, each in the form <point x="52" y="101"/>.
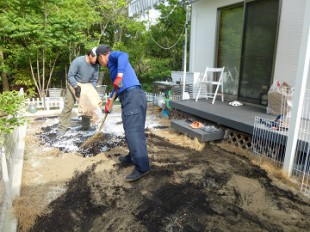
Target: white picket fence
<point x="50" y="103"/>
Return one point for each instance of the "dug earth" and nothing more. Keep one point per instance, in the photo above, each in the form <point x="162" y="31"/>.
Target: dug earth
<point x="191" y="187"/>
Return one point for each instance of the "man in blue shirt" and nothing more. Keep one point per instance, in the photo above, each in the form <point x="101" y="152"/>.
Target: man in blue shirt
<point x="133" y="102"/>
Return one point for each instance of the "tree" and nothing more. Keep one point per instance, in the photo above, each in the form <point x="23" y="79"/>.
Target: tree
<point x="40" y="38"/>
<point x="3" y="67"/>
<point x="4" y="78"/>
<point x="163" y="45"/>
<point x="169" y="34"/>
<point x="43" y="31"/>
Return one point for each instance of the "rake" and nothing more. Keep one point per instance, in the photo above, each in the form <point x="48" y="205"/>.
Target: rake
<point x="98" y="136"/>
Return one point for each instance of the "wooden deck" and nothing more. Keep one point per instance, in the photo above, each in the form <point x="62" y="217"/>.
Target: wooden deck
<point x="239" y="118"/>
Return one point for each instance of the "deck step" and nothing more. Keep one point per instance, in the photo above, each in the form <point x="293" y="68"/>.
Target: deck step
<point x="201" y="134"/>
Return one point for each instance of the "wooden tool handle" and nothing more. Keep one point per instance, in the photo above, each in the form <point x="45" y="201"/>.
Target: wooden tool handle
<point x="106" y="114"/>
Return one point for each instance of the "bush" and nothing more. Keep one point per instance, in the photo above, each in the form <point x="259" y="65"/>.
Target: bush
<point x="11" y="105"/>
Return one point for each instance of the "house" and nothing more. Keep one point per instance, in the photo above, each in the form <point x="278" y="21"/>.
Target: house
<point x="258" y="42"/>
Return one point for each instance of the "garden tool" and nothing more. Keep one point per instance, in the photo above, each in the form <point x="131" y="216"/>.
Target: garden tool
<point x="98" y="135"/>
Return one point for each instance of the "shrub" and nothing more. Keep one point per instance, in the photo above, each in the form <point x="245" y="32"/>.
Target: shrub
<point x="11" y="107"/>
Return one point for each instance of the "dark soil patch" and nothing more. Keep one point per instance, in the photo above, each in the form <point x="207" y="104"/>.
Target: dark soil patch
<point x="186" y="190"/>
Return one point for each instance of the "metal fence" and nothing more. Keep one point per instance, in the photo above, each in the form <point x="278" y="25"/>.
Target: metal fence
<point x="153" y="97"/>
<point x="302" y="157"/>
<point x="270" y="139"/>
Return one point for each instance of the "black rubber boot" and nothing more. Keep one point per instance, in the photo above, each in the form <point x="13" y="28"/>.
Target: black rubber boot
<point x="125" y="159"/>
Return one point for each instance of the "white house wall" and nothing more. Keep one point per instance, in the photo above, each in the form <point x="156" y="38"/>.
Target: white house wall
<point x="203" y="36"/>
<point x="203" y="33"/>
<point x="289" y="40"/>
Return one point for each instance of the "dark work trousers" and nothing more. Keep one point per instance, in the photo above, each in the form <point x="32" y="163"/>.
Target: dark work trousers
<point x="133" y="115"/>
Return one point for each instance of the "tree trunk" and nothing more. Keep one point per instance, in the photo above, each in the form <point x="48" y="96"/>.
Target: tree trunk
<point x="34" y="78"/>
<point x="5" y="81"/>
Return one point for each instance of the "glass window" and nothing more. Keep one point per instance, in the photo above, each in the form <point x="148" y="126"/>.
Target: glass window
<point x="246" y="47"/>
<point x="229" y="46"/>
<point x="260" y="30"/>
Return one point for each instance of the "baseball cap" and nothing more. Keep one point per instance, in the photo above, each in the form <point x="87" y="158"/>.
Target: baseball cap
<point x="93" y="50"/>
<point x="103" y="49"/>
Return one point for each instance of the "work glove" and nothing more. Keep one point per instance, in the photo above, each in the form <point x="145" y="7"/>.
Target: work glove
<point x="118" y="83"/>
<point x="77" y="91"/>
<point x="108" y="106"/>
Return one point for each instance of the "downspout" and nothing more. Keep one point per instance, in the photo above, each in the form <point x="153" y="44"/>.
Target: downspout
<point x="185" y="54"/>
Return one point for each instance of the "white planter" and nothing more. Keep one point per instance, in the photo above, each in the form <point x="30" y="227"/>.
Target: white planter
<point x="101" y="90"/>
<point x="55" y="92"/>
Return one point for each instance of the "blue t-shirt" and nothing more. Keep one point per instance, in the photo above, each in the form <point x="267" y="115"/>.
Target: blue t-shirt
<point x="118" y="63"/>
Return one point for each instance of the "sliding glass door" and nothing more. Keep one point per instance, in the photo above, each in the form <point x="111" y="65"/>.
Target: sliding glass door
<point x="229" y="46"/>
<point x="248" y="55"/>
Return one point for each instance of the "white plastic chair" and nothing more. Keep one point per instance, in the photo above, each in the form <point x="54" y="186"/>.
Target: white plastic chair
<point x="211" y="77"/>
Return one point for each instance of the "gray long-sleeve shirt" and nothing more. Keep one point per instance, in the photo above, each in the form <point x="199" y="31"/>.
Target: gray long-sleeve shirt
<point x="83" y="72"/>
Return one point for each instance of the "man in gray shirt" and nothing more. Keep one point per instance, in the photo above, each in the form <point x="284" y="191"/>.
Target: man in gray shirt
<point x="83" y="69"/>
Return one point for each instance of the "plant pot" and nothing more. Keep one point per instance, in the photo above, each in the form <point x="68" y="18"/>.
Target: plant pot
<point x="32" y="108"/>
<point x="101" y="90"/>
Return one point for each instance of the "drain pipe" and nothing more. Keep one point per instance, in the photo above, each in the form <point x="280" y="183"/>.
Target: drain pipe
<point x="185" y="53"/>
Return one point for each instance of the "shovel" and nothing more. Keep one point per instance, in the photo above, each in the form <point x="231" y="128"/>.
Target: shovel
<point x="98" y="136"/>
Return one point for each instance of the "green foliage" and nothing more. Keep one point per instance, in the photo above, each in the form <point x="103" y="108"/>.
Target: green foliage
<point x="166" y="32"/>
<point x="162" y="48"/>
<point x="156" y="70"/>
<point x="36" y="34"/>
<point x="11" y="104"/>
<point x="23" y="79"/>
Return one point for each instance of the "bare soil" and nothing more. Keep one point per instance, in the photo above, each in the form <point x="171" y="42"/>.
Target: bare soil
<point x="191" y="187"/>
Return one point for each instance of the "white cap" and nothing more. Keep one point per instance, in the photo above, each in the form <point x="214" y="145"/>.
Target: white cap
<point x="94" y="50"/>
